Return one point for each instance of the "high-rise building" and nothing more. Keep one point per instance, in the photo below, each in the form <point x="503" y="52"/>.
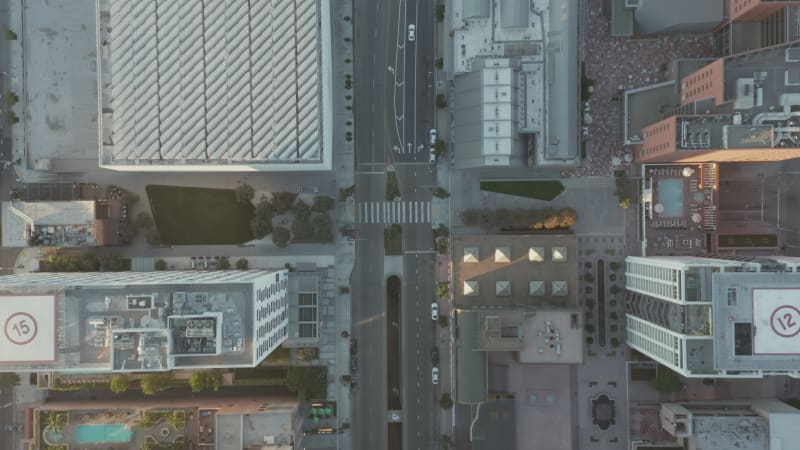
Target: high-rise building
<point x="716" y="317"/>
<point x="737" y="108"/>
<point x="136" y="321"/>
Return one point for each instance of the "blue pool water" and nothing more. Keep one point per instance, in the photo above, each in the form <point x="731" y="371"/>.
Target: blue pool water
<point x="670" y="194"/>
<point x="88" y="434"/>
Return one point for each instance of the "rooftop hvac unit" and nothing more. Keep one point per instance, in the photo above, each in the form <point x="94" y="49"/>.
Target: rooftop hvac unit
<point x="632" y="3"/>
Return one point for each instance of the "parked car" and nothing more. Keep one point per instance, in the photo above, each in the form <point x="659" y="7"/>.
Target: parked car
<point x="432" y="156"/>
<point x="435" y="356"/>
<point x="353" y="346"/>
<point x="412" y="32"/>
<point x="435" y="375"/>
<point x="17" y="427"/>
<point x="435" y="311"/>
<point x="432" y="135"/>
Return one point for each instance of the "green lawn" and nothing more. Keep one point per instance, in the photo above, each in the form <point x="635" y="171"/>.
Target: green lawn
<point x="186" y="215"/>
<point x="540" y="190"/>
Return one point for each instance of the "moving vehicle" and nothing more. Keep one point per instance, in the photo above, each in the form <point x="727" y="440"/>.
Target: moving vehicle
<point x="432" y="135"/>
<point x="435" y="356"/>
<point x="412" y="32"/>
<point x="434" y="311"/>
<point x="435" y="375"/>
<point x="432" y="157"/>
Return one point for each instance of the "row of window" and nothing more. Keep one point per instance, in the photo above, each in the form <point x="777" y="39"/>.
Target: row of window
<point x="271" y="307"/>
<point x="655" y="342"/>
<point x="270" y="325"/>
<point x="272" y="341"/>
<point x="264" y="293"/>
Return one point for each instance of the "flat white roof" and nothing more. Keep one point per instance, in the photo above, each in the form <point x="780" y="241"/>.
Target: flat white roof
<point x="213" y="82"/>
<point x="29" y="328"/>
<point x="16" y="217"/>
<point x="776" y="321"/>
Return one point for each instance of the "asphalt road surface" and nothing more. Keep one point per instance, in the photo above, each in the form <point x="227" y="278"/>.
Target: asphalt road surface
<point x="393" y="115"/>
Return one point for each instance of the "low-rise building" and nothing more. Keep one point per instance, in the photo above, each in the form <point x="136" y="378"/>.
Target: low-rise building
<point x="79" y="223"/>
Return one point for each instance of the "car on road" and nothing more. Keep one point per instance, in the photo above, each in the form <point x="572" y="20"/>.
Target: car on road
<point x="435" y="375"/>
<point x="17" y="427"/>
<point x="432" y="157"/>
<point x="412" y="32"/>
<point x="435" y="356"/>
<point x="435" y="311"/>
<point x="432" y="135"/>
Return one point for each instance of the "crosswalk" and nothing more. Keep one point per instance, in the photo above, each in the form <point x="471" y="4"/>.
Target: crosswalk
<point x="394" y="212"/>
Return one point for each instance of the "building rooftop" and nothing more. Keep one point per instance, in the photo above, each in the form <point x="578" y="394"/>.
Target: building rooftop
<point x="756" y="321"/>
<point x="516" y="270"/>
<point x="541" y="37"/>
<point x="229" y="86"/>
<point x="130" y="323"/>
<point x="56" y="224"/>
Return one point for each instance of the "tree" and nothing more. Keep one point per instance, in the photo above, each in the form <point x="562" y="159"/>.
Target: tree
<point x="119" y="384"/>
<point x="444" y="290"/>
<point x="667" y="381"/>
<point x="12" y="99"/>
<point x="281" y="236"/>
<point x="8" y="379"/>
<point x="261" y="225"/>
<point x="441" y="101"/>
<point x="242" y="264"/>
<point x="153" y="383"/>
<point x="442" y="245"/>
<point x="440" y="192"/>
<point x="244" y="193"/>
<point x="567" y="217"/>
<point x="12" y="117"/>
<point x="445" y="401"/>
<point x="614" y="289"/>
<point x="614" y="266"/>
<point x="307" y="353"/>
<point x="207" y="379"/>
<point x="439" y="63"/>
<point x="440" y="147"/>
<point x="56" y="421"/>
<point x="282" y="201"/>
<point x="447" y="442"/>
<point x="440" y="13"/>
<point x="224" y="263"/>
<point x="323" y="230"/>
<point x="322" y="204"/>
<point x="589" y="328"/>
<point x="161" y="265"/>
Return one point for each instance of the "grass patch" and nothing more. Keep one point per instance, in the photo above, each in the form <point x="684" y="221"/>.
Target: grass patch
<point x="392" y="188"/>
<point x="187" y="215"/>
<point x="540" y="190"/>
<point x="393" y="240"/>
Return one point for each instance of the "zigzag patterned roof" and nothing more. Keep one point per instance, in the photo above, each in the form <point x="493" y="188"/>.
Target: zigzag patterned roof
<point x="215" y="80"/>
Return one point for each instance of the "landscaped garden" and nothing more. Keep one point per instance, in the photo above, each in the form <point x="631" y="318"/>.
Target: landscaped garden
<point x="188" y="215"/>
<point x="536" y="189"/>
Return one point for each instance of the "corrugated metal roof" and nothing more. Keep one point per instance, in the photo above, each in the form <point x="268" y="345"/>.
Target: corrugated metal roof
<point x="215" y="79"/>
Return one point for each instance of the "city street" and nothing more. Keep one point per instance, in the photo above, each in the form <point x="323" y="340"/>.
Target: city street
<point x="393" y="115"/>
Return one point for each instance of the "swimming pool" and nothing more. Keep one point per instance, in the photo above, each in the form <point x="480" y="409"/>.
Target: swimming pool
<point x="101" y="434"/>
<point x="670" y="194"/>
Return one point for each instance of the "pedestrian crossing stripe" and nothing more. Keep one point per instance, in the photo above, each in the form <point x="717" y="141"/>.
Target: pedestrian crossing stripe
<point x="394" y="212"/>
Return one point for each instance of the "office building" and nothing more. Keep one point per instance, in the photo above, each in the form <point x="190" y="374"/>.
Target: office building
<point x="715" y="317"/>
<point x="141" y="321"/>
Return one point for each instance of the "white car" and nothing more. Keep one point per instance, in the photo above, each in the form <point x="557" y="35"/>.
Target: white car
<point x="432" y="157"/>
<point x="433" y="136"/>
<point x="412" y="33"/>
<point x="435" y="375"/>
<point x="435" y="311"/>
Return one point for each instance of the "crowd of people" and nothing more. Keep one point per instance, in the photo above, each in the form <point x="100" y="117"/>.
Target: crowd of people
<point x="616" y="64"/>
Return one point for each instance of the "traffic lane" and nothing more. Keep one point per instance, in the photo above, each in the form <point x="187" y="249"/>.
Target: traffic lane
<point x="373" y="41"/>
<point x="419" y="339"/>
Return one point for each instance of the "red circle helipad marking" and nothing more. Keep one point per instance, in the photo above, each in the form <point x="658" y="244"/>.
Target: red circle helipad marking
<point x="785" y="321"/>
<point x="21" y="328"/>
